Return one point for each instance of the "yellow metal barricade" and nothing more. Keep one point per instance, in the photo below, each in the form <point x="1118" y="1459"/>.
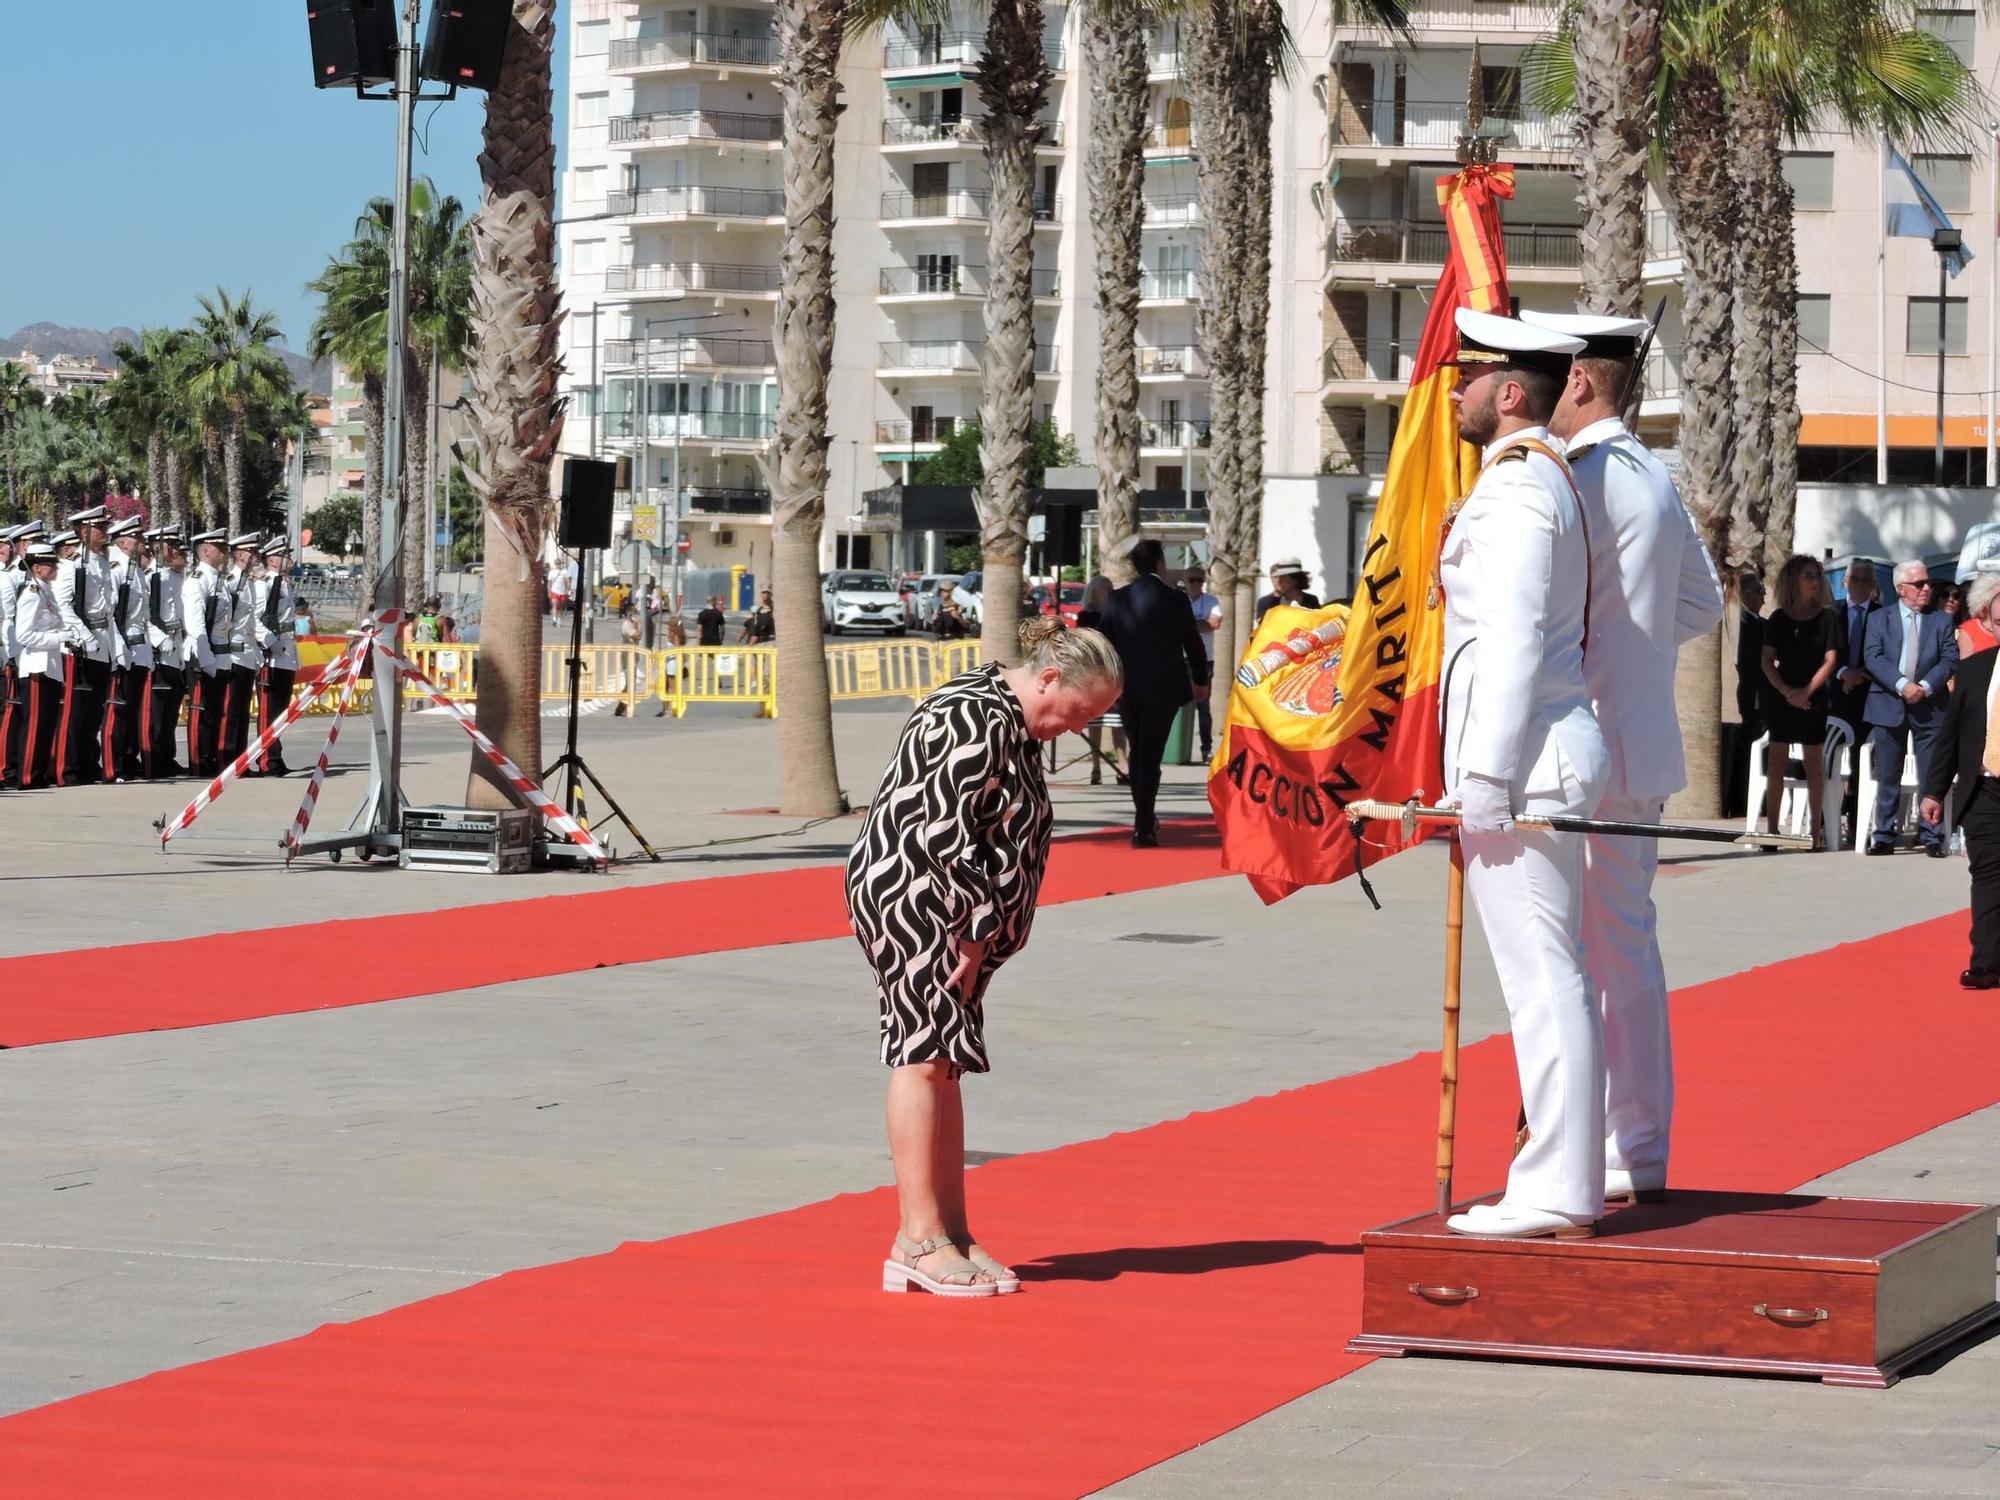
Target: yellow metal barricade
<point x="953" y="657"/>
<point x="626" y="673"/>
<point x="450" y="665"/>
<point x="880" y="669"/>
<point x="718" y="674"/>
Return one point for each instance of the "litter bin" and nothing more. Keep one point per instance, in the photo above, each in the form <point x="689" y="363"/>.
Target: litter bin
<point x="1180" y="739"/>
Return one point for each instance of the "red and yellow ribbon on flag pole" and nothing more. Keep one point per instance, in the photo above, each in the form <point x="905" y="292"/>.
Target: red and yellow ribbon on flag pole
<point x="1338" y="704"/>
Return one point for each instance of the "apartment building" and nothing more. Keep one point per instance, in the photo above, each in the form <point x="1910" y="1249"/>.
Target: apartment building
<point x="61" y="374"/>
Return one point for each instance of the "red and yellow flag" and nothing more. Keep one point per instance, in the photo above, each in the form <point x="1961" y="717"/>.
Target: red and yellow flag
<point x="1335" y="704"/>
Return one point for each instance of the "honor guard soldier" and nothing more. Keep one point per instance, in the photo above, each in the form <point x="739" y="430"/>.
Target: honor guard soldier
<point x="275" y="612"/>
<point x="67" y="544"/>
<point x="1518" y="736"/>
<point x="246" y="657"/>
<point x="205" y="618"/>
<point x="1652" y="588"/>
<point x="85" y="596"/>
<point x="13" y="581"/>
<point x="125" y="710"/>
<point x="42" y="637"/>
<point x="166" y="683"/>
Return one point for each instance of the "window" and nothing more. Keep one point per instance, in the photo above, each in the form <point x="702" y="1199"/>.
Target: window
<point x="1921" y="330"/>
<point x="1170" y="478"/>
<point x="593" y="38"/>
<point x="1501" y="88"/>
<point x="588" y="186"/>
<point x="1949" y="178"/>
<point x="1811" y="175"/>
<point x="1953" y="25"/>
<point x="586" y="257"/>
<point x="1815" y="321"/>
<point x="592" y="109"/>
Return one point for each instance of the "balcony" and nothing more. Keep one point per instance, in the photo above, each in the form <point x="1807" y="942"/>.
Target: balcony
<point x="964" y="131"/>
<point x="693" y="426"/>
<point x="1163" y="58"/>
<point x="952" y="357"/>
<point x="1175" y="437"/>
<point x="690" y="352"/>
<point x="1169" y="286"/>
<point x="696" y="202"/>
<point x="1435" y="127"/>
<point x="1414" y="242"/>
<point x="958" y="281"/>
<point x="693" y="276"/>
<point x="717" y="500"/>
<point x="907" y="434"/>
<point x="1663" y="236"/>
<point x="687" y="49"/>
<point x="1663" y="374"/>
<point x="1476" y="18"/>
<point x="1164" y="140"/>
<point x="1368" y="361"/>
<point x="1174" y="362"/>
<point x="666" y="127"/>
<point x="955" y="203"/>
<point x="935" y="48"/>
<point x="1179" y="212"/>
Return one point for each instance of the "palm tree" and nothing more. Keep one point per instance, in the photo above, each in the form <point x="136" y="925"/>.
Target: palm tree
<point x="1617" y="54"/>
<point x="138" y="404"/>
<point x="236" y="368"/>
<point x="1014" y="87"/>
<point x="353" y="328"/>
<point x="515" y="366"/>
<point x="16" y="396"/>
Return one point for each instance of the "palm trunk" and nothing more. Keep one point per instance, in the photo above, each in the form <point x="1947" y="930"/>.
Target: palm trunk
<point x="1778" y="281"/>
<point x="516" y="324"/>
<point x="1252" y="253"/>
<point x="373" y="420"/>
<point x="233" y="461"/>
<point x="211" y="471"/>
<point x="179" y="478"/>
<point x="810" y="34"/>
<point x="416" y="447"/>
<point x="1706" y="216"/>
<point x="1617" y="58"/>
<point x="1698" y="689"/>
<point x="1114" y="50"/>
<point x="159" y="503"/>
<point x="1755" y="146"/>
<point x="1014" y="82"/>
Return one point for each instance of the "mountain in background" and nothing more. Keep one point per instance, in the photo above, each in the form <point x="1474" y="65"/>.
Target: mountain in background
<point x="51" y="339"/>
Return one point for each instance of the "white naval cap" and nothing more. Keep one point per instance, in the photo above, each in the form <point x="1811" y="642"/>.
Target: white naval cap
<point x="1488" y="339"/>
<point x="130" y="526"/>
<point x="1603" y="338"/>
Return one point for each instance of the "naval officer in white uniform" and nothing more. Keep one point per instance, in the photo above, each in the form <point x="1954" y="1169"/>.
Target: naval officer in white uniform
<point x="1519" y="736"/>
<point x="1653" y="587"/>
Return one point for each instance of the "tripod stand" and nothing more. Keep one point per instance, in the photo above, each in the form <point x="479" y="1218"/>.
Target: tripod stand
<point x="571" y="761"/>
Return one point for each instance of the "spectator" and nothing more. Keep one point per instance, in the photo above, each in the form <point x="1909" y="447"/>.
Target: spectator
<point x="1749" y="692"/>
<point x="1801" y="650"/>
<point x="1288" y="586"/>
<point x="1160" y="651"/>
<point x="1207" y="619"/>
<point x="1850" y="689"/>
<point x="655" y="606"/>
<point x="1949" y="598"/>
<point x="447" y="630"/>
<point x="1910" y="658"/>
<point x="302" y="621"/>
<point x="951" y="623"/>
<point x="559" y="587"/>
<point x="1974" y="633"/>
<point x="630" y="629"/>
<point x="1096" y="594"/>
<point x="1965" y="766"/>
<point x="426" y="632"/>
<point x="710" y="623"/>
<point x="760" y="626"/>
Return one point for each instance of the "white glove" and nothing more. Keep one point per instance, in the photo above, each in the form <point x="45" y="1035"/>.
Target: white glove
<point x="1484" y="806"/>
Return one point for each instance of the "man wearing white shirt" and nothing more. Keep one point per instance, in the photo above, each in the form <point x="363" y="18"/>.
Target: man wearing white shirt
<point x="1519" y="735"/>
<point x="1910" y="656"/>
<point x="1652" y="588"/>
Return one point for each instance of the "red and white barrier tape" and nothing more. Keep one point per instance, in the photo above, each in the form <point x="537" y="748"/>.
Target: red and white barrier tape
<point x="304" y="817"/>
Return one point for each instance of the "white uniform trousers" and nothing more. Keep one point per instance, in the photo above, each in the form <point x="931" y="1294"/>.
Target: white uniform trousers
<point x="1527" y="887"/>
<point x="1621" y="950"/>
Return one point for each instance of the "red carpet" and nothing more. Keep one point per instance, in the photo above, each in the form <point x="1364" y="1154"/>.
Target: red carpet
<point x="367" y="959"/>
<point x="1187" y="1278"/>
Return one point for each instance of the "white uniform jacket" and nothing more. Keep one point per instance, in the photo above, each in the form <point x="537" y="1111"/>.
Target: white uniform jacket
<point x="166" y="615"/>
<point x="205" y="617"/>
<point x="274" y="622"/>
<point x="85" y="596"/>
<point x="242" y="590"/>
<point x="39" y="631"/>
<point x="1652" y="587"/>
<point x="128" y="592"/>
<point x="13" y="579"/>
<point x="1512" y="570"/>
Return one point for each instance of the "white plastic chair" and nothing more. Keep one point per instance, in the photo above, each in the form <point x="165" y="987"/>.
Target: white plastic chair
<point x="1794" y="804"/>
<point x="1908" y="795"/>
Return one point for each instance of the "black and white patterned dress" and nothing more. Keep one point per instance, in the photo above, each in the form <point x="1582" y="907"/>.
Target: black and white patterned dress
<point x="954" y="846"/>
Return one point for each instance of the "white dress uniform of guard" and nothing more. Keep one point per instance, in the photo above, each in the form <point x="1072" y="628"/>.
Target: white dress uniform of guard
<point x="166" y="684"/>
<point x="205" y="618"/>
<point x="125" y="712"/>
<point x="275" y="612"/>
<point x="13" y="582"/>
<point x="246" y="657"/>
<point x="42" y="636"/>
<point x="1519" y="736"/>
<point x="85" y="597"/>
<point x="1653" y="588"/>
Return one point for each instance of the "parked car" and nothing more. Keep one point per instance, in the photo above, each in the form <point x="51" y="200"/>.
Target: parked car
<point x="932" y="590"/>
<point x="967" y="596"/>
<point x="861" y="601"/>
<point x="1070" y="603"/>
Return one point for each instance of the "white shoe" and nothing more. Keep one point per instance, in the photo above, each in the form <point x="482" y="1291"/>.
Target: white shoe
<point x="1637" y="1185"/>
<point x="1511" y="1221"/>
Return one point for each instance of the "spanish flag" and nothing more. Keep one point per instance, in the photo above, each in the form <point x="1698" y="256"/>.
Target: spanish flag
<point x="1334" y="704"/>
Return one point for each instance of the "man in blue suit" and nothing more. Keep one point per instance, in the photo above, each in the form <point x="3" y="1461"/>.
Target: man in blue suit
<point x="1910" y="656"/>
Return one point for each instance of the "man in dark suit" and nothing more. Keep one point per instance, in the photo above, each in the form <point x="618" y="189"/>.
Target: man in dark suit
<point x="1850" y="679"/>
<point x="1910" y="656"/>
<point x="1152" y="626"/>
<point x="1739" y="738"/>
<point x="1965" y="765"/>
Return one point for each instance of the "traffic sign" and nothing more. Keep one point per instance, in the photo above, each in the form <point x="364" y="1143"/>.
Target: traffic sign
<point x="645" y="523"/>
<point x="684" y="544"/>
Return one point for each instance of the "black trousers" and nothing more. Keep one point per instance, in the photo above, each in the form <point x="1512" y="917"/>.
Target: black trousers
<point x="1207" y="728"/>
<point x="166" y="686"/>
<point x="273" y="698"/>
<point x="205" y="721"/>
<point x="10" y="706"/>
<point x="124" y="714"/>
<point x="1147" y="726"/>
<point x="238" y="695"/>
<point x="31" y="731"/>
<point x="1981" y="823"/>
<point x="85" y="692"/>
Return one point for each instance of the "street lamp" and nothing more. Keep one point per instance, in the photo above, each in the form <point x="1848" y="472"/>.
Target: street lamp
<point x="1947" y="242"/>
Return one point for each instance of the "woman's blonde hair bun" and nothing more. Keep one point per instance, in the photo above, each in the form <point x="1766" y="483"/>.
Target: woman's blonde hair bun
<point x="1077" y="654"/>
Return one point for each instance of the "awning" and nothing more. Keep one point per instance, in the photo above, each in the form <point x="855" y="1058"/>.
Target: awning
<point x="1824" y="429"/>
<point x="951" y="79"/>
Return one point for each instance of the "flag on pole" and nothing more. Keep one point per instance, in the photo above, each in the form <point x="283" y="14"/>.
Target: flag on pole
<point x="1337" y="704"/>
<point x="1912" y="211"/>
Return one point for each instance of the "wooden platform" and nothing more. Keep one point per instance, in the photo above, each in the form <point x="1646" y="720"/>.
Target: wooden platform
<point x="1852" y="1290"/>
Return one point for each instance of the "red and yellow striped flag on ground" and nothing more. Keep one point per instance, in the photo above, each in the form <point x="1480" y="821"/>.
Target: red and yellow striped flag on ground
<point x="1335" y="704"/>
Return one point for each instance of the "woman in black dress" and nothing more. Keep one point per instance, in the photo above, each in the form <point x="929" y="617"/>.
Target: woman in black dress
<point x="1801" y="651"/>
<point x="941" y="887"/>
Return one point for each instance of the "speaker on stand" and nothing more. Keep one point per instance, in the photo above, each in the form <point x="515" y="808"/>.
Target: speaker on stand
<point x="466" y="42"/>
<point x="353" y="42"/>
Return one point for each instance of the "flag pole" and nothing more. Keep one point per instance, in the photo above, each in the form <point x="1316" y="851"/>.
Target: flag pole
<point x="1882" y="312"/>
<point x="1454" y="953"/>
<point x="1992" y="307"/>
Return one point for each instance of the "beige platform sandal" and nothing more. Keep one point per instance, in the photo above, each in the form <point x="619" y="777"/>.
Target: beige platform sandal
<point x="1003" y="1278"/>
<point x="953" y="1277"/>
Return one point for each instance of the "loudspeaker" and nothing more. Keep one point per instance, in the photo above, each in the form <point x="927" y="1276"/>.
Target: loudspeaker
<point x="1063" y="534"/>
<point x="466" y="42"/>
<point x="586" y="503"/>
<point x="353" y="42"/>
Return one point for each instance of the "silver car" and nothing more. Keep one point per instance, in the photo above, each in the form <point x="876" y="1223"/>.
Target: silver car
<point x="861" y="601"/>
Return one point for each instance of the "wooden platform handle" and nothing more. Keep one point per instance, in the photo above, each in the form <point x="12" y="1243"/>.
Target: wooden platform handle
<point x="1797" y="1317"/>
<point x="1444" y="1293"/>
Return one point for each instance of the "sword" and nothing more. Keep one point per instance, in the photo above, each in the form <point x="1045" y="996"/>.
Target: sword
<point x="1409" y="814"/>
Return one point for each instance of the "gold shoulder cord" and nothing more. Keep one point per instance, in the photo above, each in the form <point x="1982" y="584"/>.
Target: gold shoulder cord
<point x="1518" y="453"/>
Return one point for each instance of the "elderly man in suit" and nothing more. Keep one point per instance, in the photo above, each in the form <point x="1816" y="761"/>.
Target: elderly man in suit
<point x="1153" y="628"/>
<point x="1910" y="657"/>
<point x="1965" y="765"/>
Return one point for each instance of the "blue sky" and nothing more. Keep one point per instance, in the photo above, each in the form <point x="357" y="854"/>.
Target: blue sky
<point x="160" y="147"/>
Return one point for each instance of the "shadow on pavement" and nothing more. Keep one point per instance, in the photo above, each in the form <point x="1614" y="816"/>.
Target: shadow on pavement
<point x="1175" y="1260"/>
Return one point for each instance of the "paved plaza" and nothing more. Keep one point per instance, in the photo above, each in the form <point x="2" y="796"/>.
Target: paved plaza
<point x="176" y="1196"/>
